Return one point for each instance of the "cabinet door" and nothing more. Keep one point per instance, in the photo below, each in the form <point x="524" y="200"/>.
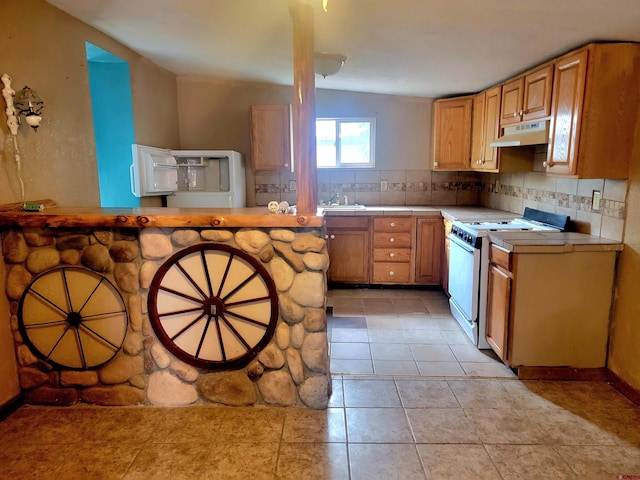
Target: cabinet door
<point x="498" y="302"/>
<point x="478" y="130"/>
<point x="491" y="127"/>
<point x="349" y="256"/>
<point x="271" y="147"/>
<point x="566" y="113"/>
<point x="536" y="102"/>
<point x="452" y="134"/>
<point x="429" y="250"/>
<point x="511" y="101"/>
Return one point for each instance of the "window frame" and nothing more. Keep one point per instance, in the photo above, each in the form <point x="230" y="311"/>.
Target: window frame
<point x="372" y="142"/>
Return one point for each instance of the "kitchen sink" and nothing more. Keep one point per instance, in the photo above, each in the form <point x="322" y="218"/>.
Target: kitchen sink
<point x="343" y="207"/>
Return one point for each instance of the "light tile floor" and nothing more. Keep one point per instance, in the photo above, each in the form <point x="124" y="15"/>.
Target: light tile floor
<point x="376" y="427"/>
<point x="403" y="332"/>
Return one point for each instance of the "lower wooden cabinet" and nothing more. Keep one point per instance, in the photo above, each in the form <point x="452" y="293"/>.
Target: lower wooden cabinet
<point x="429" y="250"/>
<point x="498" y="303"/>
<point x="348" y="241"/>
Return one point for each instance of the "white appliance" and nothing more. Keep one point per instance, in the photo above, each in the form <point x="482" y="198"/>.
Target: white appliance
<point x="469" y="265"/>
<point x="189" y="178"/>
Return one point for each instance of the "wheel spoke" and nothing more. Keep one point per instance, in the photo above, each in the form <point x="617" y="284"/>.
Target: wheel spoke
<point x="90" y="295"/>
<point x="241" y="285"/>
<point x="191" y="280"/>
<point x="98" y="316"/>
<point x="188" y="326"/>
<point x="85" y="327"/>
<point x="220" y="342"/>
<point x="65" y="284"/>
<point x="39" y="295"/>
<point x="235" y="332"/>
<point x="246" y="319"/>
<point x="176" y="312"/>
<point x="180" y="294"/>
<point x="248" y="300"/>
<point x="80" y="348"/>
<point x="58" y="341"/>
<point x="224" y="276"/>
<point x="46" y="324"/>
<point x="205" y="267"/>
<point x="204" y="334"/>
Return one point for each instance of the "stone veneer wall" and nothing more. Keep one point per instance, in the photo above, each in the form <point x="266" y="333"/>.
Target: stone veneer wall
<point x="293" y="369"/>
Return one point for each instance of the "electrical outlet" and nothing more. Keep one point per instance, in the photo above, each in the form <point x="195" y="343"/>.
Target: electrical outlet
<point x="595" y="200"/>
<point x="292" y="185"/>
<point x="384" y="186"/>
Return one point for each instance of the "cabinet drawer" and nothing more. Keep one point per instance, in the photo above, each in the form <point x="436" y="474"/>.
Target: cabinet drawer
<point x="392" y="224"/>
<point x="349" y="223"/>
<point x="501" y="257"/>
<point x="391" y="254"/>
<point x="387" y="239"/>
<point x="390" y="272"/>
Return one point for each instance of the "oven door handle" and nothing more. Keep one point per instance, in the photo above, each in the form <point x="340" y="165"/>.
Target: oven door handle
<point x="461" y="244"/>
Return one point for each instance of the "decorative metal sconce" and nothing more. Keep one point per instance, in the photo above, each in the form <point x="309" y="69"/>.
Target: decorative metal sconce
<point x="30" y="105"/>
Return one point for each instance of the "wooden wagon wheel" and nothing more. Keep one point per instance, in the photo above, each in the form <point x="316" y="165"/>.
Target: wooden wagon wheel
<point x="213" y="306"/>
<point x="73" y="318"/>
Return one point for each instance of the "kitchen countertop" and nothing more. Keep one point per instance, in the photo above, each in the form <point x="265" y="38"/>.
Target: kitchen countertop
<point x="552" y="242"/>
<point x="466" y="213"/>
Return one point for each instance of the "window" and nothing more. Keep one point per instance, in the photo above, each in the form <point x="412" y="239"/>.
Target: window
<point x="345" y="142"/>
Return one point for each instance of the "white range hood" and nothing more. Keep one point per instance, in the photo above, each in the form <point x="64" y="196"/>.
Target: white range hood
<point x="536" y="133"/>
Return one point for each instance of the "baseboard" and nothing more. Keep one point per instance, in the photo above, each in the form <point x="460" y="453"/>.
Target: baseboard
<point x="11" y="406"/>
<point x="563" y="373"/>
<point x="624" y="388"/>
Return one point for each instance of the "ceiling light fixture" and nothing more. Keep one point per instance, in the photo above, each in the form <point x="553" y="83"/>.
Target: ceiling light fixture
<point x="326" y="64"/>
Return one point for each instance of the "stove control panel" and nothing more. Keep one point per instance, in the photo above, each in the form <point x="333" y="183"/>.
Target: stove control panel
<point x="468" y="237"/>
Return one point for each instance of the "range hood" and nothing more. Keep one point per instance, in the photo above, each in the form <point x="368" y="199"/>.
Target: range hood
<point x="536" y="133"/>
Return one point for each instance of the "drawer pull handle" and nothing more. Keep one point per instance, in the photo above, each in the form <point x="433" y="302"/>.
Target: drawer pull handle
<point x="391" y="273"/>
<point x="392" y="255"/>
<point x="332" y="237"/>
<point x="392" y="224"/>
<point x="392" y="239"/>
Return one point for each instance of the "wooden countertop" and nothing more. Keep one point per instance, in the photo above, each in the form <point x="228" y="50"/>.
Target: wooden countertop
<point x="157" y="217"/>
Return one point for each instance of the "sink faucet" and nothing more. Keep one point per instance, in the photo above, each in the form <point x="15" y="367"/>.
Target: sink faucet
<point x="334" y="198"/>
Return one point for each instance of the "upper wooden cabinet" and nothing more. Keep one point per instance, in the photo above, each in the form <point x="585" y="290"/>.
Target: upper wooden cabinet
<point x="528" y="97"/>
<point x="452" y="133"/>
<point x="271" y="147"/>
<point x="596" y="101"/>
<point x="485" y="129"/>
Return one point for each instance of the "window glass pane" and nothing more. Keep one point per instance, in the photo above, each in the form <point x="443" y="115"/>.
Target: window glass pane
<point x="326" y="143"/>
<point x="355" y="142"/>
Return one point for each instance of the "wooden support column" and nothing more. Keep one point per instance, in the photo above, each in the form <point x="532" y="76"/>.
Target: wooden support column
<point x="304" y="107"/>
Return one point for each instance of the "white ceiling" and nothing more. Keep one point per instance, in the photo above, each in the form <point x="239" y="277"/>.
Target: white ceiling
<point x="426" y="48"/>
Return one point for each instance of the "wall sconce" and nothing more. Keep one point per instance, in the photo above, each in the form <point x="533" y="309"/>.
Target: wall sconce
<point x="327" y="63"/>
<point x="30" y="105"/>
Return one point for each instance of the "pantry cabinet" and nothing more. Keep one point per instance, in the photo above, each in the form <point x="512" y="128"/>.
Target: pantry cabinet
<point x="271" y="138"/>
<point x="594" y="112"/>
<point x="528" y="97"/>
<point x="348" y="240"/>
<point x="452" y="133"/>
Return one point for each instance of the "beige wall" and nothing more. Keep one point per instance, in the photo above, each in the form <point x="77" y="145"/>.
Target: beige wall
<point x="214" y="114"/>
<point x="46" y="51"/>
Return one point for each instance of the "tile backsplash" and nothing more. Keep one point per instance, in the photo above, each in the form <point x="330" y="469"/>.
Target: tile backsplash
<point x="504" y="191"/>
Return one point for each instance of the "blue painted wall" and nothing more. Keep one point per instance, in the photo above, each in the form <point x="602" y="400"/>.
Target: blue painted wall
<point x="110" y="87"/>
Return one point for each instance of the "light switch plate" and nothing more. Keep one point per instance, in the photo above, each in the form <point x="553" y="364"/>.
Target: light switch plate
<point x="292" y="185"/>
<point x="595" y="200"/>
<point x="384" y="186"/>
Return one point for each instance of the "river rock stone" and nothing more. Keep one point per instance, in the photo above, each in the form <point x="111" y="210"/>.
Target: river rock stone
<point x="138" y="381"/>
<point x="215" y="235"/>
<point x="316" y="261"/>
<point x="97" y="258"/>
<point x="297" y="335"/>
<point x="135" y="314"/>
<point x="282" y="274"/>
<point x="25" y="356"/>
<point x="18" y="280"/>
<point x="166" y="389"/>
<point x="282" y="235"/>
<point x="309" y="289"/>
<point x="314" y="392"/>
<point x="160" y="356"/>
<point x="132" y="344"/>
<point x="315" y="352"/>
<point x="38" y="237"/>
<point x="277" y="388"/>
<point x="31" y="378"/>
<point x="105" y="237"/>
<point x="291" y="257"/>
<point x="315" y="320"/>
<point x="124" y="251"/>
<point x="14" y="247"/>
<point x="184" y="371"/>
<point x="126" y="276"/>
<point x="308" y="243"/>
<point x="291" y="312"/>
<point x="119" y="395"/>
<point x="70" y="256"/>
<point x="283" y="335"/>
<point x="73" y="378"/>
<point x="184" y="238"/>
<point x="255" y="370"/>
<point x="72" y="241"/>
<point x="251" y="240"/>
<point x="147" y="271"/>
<point x="266" y="254"/>
<point x="271" y="357"/>
<point x="155" y="244"/>
<point x="228" y="388"/>
<point x="294" y="362"/>
<point x="62" y="397"/>
<point x="42" y="259"/>
<point x="121" y="369"/>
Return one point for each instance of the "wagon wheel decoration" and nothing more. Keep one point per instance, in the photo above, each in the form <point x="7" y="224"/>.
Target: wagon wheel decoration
<point x="213" y="306"/>
<point x="72" y="317"/>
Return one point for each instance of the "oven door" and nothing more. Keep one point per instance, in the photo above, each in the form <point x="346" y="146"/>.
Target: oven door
<point x="464" y="276"/>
